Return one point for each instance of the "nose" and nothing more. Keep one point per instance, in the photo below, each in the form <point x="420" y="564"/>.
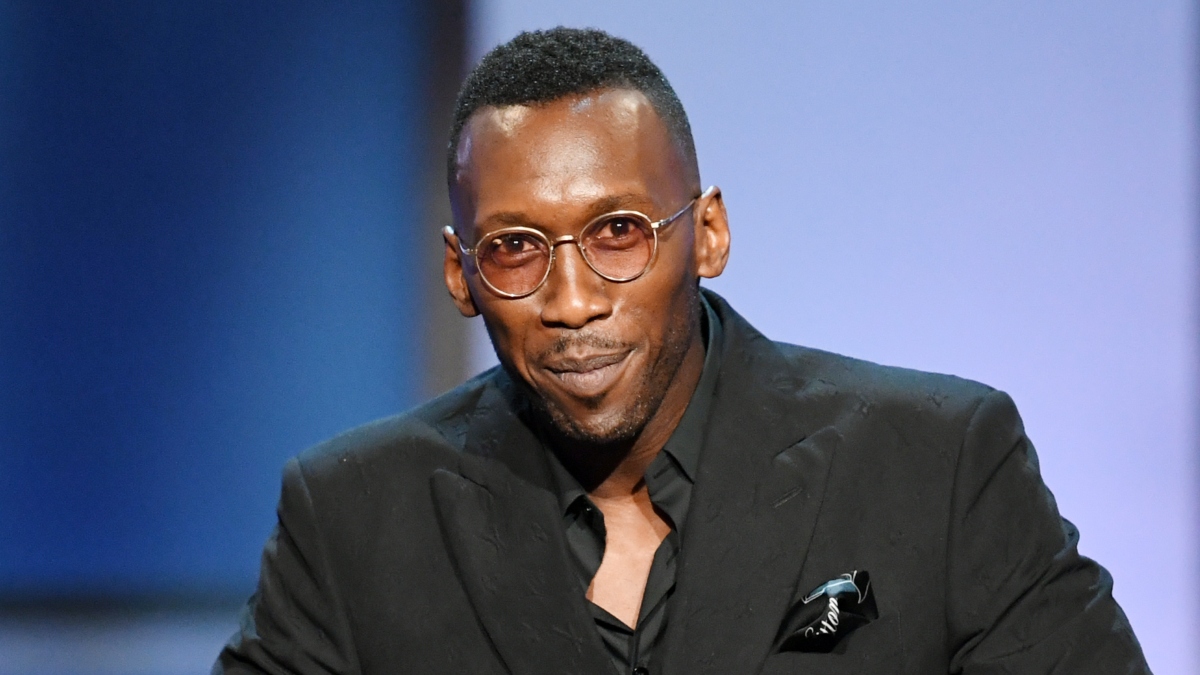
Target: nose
<point x="574" y="294"/>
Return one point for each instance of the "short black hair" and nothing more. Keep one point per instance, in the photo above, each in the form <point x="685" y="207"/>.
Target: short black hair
<point x="542" y="66"/>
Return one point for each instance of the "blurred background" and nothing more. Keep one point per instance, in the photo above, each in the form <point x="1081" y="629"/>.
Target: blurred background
<point x="219" y="245"/>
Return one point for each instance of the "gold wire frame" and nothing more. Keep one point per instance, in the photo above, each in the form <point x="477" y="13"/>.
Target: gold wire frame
<point x="655" y="226"/>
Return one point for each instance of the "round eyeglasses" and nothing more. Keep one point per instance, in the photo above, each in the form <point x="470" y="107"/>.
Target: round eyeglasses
<point x="619" y="246"/>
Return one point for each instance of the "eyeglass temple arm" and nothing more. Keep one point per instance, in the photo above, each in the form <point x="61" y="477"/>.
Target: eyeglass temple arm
<point x="449" y="231"/>
<point x="669" y="220"/>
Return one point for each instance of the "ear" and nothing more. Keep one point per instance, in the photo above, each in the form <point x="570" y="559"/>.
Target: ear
<point x="712" y="233"/>
<point x="455" y="275"/>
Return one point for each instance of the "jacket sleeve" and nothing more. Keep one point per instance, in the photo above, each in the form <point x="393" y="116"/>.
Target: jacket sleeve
<point x="1020" y="597"/>
<point x="295" y="623"/>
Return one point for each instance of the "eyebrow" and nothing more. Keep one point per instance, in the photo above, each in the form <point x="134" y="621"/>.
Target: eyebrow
<point x="606" y="204"/>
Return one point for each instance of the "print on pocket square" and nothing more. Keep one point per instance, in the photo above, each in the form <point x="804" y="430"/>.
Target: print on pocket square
<point x="833" y="610"/>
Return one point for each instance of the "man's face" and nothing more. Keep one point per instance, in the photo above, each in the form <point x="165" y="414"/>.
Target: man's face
<point x="599" y="356"/>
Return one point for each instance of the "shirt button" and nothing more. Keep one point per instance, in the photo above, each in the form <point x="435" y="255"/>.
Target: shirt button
<point x="641" y="670"/>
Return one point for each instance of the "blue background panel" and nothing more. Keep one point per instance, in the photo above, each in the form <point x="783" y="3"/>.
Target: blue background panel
<point x="206" y="265"/>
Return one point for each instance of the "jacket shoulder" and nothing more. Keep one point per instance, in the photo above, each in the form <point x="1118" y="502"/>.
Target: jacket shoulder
<point x="423" y="438"/>
<point x="858" y="383"/>
<point x="887" y="389"/>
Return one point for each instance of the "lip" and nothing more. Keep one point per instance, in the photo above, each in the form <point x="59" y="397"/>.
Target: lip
<point x="588" y="376"/>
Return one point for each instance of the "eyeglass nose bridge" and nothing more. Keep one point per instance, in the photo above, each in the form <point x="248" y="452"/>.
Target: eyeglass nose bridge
<point x="569" y="239"/>
<point x="566" y="239"/>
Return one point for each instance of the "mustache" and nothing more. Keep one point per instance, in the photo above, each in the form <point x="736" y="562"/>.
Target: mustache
<point x="582" y="342"/>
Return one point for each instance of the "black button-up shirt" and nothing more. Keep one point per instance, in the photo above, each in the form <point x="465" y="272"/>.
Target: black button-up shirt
<point x="669" y="480"/>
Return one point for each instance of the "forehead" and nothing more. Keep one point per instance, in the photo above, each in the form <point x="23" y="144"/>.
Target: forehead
<point x="551" y="159"/>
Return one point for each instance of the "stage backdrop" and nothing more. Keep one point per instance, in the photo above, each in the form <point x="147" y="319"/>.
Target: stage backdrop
<point x="999" y="190"/>
<point x="206" y="264"/>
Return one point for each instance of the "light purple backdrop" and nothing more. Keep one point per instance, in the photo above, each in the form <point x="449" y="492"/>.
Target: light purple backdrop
<point x="999" y="190"/>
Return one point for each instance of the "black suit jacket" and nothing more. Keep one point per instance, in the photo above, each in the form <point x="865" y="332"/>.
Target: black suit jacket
<point x="423" y="544"/>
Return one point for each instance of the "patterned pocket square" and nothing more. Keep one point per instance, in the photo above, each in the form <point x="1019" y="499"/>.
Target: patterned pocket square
<point x="833" y="610"/>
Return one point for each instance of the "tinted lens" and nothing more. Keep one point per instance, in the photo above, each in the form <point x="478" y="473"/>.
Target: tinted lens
<point x="514" y="262"/>
<point x="619" y="246"/>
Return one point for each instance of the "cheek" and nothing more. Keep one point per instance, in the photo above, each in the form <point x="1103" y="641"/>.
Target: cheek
<point x="507" y="325"/>
<point x="657" y="305"/>
<point x="678" y="249"/>
<point x="668" y="284"/>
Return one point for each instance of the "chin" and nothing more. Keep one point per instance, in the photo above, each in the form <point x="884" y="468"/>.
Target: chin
<point x="616" y="427"/>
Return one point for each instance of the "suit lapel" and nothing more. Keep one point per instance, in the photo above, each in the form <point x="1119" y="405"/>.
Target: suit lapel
<point x="504" y="532"/>
<point x="758" y="492"/>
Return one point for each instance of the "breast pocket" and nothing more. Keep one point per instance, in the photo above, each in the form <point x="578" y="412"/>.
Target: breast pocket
<point x="873" y="649"/>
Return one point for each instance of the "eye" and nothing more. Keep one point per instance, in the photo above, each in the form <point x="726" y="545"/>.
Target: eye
<point x="618" y="228"/>
<point x="513" y="249"/>
<point x="512" y="244"/>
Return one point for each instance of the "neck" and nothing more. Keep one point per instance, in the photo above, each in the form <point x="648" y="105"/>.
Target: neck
<point x="617" y="470"/>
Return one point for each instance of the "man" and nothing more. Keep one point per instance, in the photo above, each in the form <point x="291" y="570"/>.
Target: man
<point x="647" y="484"/>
